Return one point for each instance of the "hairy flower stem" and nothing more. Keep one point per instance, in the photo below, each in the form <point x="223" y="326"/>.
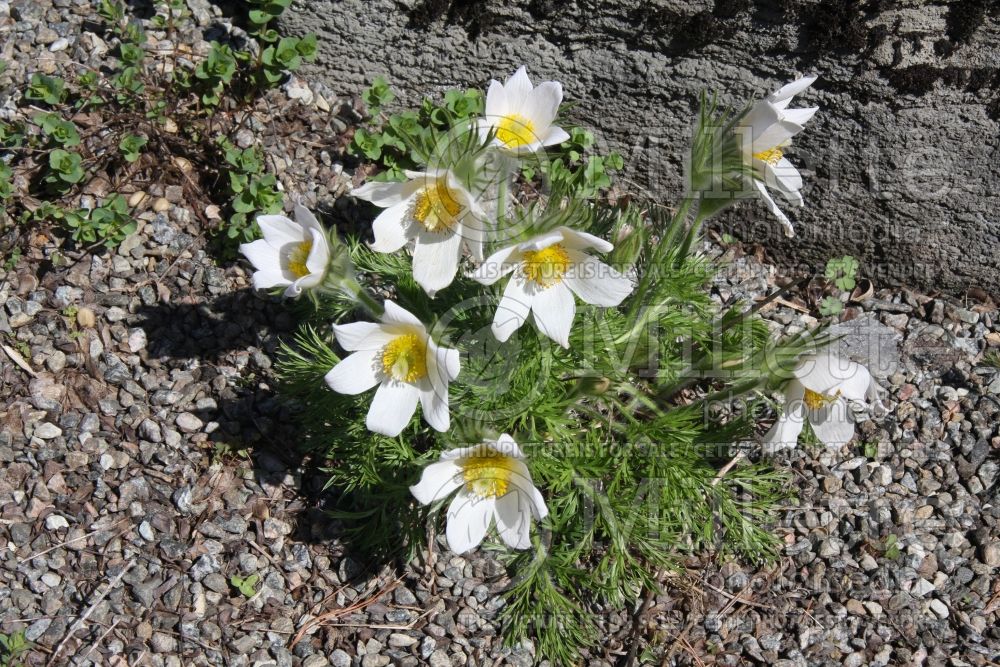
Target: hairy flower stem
<point x="670" y="235"/>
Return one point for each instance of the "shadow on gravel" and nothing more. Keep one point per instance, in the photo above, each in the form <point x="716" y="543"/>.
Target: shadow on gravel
<point x="212" y="342"/>
<point x="207" y="331"/>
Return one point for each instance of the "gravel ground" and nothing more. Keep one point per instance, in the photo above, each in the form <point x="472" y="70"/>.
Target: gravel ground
<point x="145" y="462"/>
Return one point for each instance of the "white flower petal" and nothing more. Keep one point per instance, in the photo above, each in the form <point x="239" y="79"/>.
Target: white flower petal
<point x="513" y="515"/>
<point x="435" y="260"/>
<point x="827" y="373"/>
<point x="554" y="309"/>
<point x="279" y="231"/>
<point x="469" y="518"/>
<point x="355" y="374"/>
<point x="497" y="265"/>
<point x="496" y="100"/>
<point x="395" y="314"/>
<point x="362" y="336"/>
<point x="542" y="105"/>
<point x="556" y="136"/>
<point x="269" y="279"/>
<point x="446" y="362"/>
<point x="582" y="241"/>
<point x="390" y="228"/>
<point x="784" y="95"/>
<point x="595" y="282"/>
<point x="515" y="304"/>
<point x="785" y="178"/>
<point x="319" y="254"/>
<point x="434" y="403"/>
<point x="761" y="116"/>
<point x="437" y="481"/>
<point x="775" y="211"/>
<point x="775" y="135"/>
<point x="262" y="255"/>
<point x="832" y="424"/>
<point x="785" y="432"/>
<point x="307" y="281"/>
<point x="305" y="217"/>
<point x="517" y="88"/>
<point x="392" y="407"/>
<point x="544" y="240"/>
<point x="505" y="444"/>
<point x="800" y="116"/>
<point x="385" y="195"/>
<point x="521" y="480"/>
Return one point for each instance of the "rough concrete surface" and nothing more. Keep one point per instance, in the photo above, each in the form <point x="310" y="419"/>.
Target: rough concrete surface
<point x="901" y="165"/>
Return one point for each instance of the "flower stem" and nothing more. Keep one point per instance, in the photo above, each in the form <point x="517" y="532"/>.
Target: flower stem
<point x="365" y="298"/>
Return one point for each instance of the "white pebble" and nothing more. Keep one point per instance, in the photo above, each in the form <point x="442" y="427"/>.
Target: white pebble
<point x="188" y="422"/>
<point x="922" y="588"/>
<point x="47" y="431"/>
<point x="146" y="531"/>
<point x="107" y="461"/>
<point x="55" y="522"/>
<point x="60" y="44"/>
<point x="939" y="608"/>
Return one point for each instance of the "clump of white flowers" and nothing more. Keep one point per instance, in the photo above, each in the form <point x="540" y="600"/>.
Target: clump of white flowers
<point x="480" y="227"/>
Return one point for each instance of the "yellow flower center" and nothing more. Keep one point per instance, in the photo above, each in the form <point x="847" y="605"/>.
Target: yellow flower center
<point x="815" y="400"/>
<point x="436" y="207"/>
<point x="515" y="130"/>
<point x="405" y="358"/>
<point x="297" y="258"/>
<point x="546" y="266"/>
<point x="487" y="475"/>
<point x="771" y="156"/>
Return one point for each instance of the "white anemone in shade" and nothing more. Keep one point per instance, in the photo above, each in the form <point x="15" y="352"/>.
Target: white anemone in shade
<point x="399" y="356"/>
<point x="493" y="484"/>
<point x="435" y="211"/>
<point x="547" y="271"/>
<point x="293" y="254"/>
<point x="771" y="126"/>
<point x="521" y="115"/>
<point x="822" y="389"/>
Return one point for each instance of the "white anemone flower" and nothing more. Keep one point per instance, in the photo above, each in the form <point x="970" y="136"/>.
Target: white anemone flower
<point x="292" y="254"/>
<point x="822" y="389"/>
<point x="771" y="125"/>
<point x="547" y="271"/>
<point x="400" y="357"/>
<point x="493" y="484"/>
<point x="521" y="115"/>
<point x="437" y="213"/>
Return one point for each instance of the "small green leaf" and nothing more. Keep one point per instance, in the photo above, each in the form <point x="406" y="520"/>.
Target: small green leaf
<point x="831" y="306"/>
<point x="247" y="586"/>
<point x="258" y="17"/>
<point x="307" y="46"/>
<point x="48" y="89"/>
<point x="131" y="54"/>
<point x="131" y="146"/>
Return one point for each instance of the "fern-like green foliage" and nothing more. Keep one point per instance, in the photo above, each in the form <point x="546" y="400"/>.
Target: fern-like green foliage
<point x="625" y="431"/>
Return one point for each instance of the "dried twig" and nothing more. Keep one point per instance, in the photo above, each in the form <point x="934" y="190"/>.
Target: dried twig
<point x="16" y="357"/>
<point x="112" y="585"/>
<point x="322" y="618"/>
<point x="75" y="539"/>
<point x="729" y="466"/>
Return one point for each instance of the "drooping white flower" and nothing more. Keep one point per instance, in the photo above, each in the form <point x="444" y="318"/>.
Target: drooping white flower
<point x="547" y="271"/>
<point x="400" y="357"/>
<point x="436" y="212"/>
<point x="493" y="484"/>
<point x="771" y="126"/>
<point x="522" y="115"/>
<point x="822" y="389"/>
<point x="292" y="254"/>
